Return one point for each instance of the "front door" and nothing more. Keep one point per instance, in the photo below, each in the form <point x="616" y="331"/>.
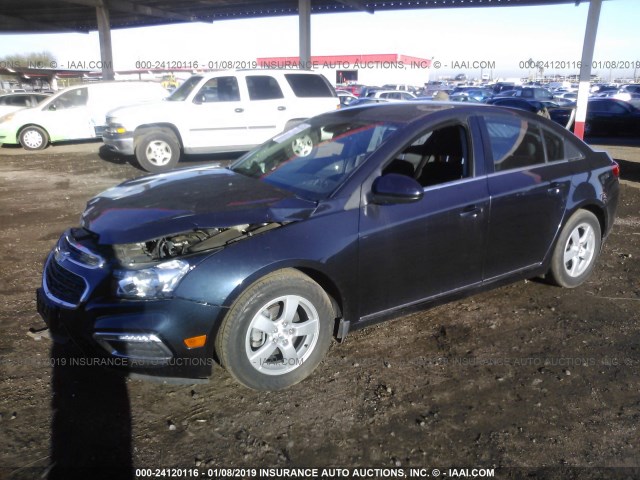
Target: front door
<point x="217" y="116"/>
<point x="434" y="245"/>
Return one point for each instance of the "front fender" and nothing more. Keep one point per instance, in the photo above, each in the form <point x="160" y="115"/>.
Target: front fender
<point x="305" y="245"/>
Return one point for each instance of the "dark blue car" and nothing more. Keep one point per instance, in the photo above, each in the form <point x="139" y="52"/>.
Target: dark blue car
<point x="351" y="218"/>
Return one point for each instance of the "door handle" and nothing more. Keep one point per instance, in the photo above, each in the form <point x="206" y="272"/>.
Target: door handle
<point x="281" y="108"/>
<point x="470" y="212"/>
<point x="239" y="110"/>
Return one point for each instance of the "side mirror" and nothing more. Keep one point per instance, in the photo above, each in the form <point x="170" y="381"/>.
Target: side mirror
<point x="394" y="188"/>
<point x="53" y="107"/>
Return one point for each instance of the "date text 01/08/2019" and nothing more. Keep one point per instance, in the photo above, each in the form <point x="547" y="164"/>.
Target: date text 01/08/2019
<point x="573" y="64"/>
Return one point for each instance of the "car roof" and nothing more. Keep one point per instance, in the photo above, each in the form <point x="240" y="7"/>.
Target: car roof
<point x="403" y="111"/>
<point x="390" y="91"/>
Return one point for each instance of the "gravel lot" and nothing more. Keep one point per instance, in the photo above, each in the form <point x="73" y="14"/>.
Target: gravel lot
<point x="527" y="376"/>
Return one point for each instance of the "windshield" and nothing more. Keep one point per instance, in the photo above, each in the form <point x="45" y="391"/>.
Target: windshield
<point x="313" y="160"/>
<point x="181" y="93"/>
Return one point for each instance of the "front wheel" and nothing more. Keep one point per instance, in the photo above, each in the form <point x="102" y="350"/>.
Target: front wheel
<point x="277" y="332"/>
<point x="157" y="150"/>
<point x="33" y="138"/>
<point x="577" y="249"/>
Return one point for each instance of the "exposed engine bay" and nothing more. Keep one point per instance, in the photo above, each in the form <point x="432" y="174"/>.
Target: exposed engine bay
<point x="187" y="243"/>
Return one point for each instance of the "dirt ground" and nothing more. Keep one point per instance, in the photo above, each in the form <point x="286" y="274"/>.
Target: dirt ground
<point x="521" y="378"/>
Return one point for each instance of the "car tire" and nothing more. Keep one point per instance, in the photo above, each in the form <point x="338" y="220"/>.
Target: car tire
<point x="33" y="138"/>
<point x="157" y="150"/>
<point x="576" y="250"/>
<point x="277" y="332"/>
<point x="303" y="145"/>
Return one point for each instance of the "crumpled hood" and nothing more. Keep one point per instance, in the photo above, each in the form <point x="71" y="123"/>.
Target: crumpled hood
<point x="184" y="200"/>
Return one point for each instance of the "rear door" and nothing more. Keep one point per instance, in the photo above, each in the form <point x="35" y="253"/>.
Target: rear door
<point x="528" y="193"/>
<point x="267" y="108"/>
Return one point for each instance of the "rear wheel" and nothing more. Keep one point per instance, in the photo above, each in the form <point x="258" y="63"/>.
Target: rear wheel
<point x="577" y="249"/>
<point x="157" y="150"/>
<point x="277" y="332"/>
<point x="33" y="138"/>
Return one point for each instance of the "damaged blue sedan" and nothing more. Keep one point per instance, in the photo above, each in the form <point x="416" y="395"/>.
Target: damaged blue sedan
<point x="350" y="218"/>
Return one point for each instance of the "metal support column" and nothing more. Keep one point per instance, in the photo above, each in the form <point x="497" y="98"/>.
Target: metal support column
<point x="585" y="68"/>
<point x="104" y="33"/>
<point x="304" y="19"/>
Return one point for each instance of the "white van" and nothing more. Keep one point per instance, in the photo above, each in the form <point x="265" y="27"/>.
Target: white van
<point x="75" y="113"/>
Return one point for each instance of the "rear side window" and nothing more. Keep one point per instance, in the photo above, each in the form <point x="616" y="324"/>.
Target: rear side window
<point x="560" y="148"/>
<point x="18" y="101"/>
<point x="572" y="152"/>
<point x="554" y="145"/>
<point x="514" y="142"/>
<point x="309" y="85"/>
<point x="263" y="87"/>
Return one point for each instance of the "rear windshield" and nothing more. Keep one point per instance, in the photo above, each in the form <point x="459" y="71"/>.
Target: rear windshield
<point x="304" y="85"/>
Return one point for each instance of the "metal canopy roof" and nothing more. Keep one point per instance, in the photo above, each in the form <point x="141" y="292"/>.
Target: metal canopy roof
<point x="30" y="16"/>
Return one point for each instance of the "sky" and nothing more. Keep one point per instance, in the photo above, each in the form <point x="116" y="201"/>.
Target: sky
<point x="457" y="38"/>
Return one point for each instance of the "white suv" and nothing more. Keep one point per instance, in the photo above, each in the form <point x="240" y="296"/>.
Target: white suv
<point x="226" y="111"/>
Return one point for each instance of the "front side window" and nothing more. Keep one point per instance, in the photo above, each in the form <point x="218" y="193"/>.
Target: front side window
<point x="437" y="156"/>
<point x="263" y="87"/>
<point x="71" y="99"/>
<point x="514" y="142"/>
<point x="220" y="89"/>
<point x="181" y="93"/>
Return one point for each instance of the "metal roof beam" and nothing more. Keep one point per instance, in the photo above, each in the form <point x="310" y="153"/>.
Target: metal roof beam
<point x="20" y="25"/>
<point x="357" y="4"/>
<point x="128" y="7"/>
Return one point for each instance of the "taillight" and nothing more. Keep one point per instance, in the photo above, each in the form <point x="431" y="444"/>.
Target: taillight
<point x="615" y="169"/>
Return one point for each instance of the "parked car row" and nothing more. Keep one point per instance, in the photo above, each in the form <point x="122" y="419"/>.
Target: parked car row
<point x="214" y="112"/>
<point x="75" y="113"/>
<point x="238" y="110"/>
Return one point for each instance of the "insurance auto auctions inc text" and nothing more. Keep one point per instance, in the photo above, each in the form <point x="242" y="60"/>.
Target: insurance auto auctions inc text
<point x="331" y="473"/>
